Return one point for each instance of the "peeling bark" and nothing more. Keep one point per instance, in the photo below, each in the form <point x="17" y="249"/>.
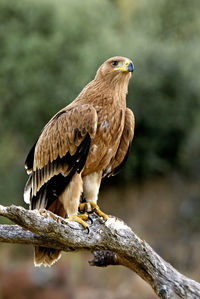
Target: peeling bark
<point x="112" y="243"/>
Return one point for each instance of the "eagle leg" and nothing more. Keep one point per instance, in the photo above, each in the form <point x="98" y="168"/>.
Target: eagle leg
<point x="91" y="207"/>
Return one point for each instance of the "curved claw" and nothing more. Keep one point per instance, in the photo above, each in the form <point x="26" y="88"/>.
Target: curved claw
<point x="105" y="219"/>
<point x="80" y="219"/>
<point x="91" y="220"/>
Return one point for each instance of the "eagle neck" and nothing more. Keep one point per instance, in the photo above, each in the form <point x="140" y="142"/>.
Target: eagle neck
<point x="102" y="90"/>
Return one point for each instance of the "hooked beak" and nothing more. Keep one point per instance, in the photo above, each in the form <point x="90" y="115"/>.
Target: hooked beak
<point x="130" y="67"/>
<point x="127" y="67"/>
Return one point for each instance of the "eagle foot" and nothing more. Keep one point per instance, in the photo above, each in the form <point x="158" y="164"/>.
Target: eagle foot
<point x="80" y="219"/>
<point x="91" y="207"/>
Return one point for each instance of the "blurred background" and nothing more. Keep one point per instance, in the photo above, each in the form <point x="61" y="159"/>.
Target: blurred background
<point x="49" y="50"/>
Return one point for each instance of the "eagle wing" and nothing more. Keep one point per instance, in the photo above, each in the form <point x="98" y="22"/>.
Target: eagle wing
<point x="120" y="158"/>
<point x="58" y="154"/>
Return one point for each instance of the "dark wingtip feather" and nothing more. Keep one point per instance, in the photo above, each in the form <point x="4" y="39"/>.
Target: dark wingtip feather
<point x="119" y="168"/>
<point x="52" y="189"/>
<point x="30" y="158"/>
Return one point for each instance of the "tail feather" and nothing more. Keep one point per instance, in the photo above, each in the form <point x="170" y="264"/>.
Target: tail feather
<point x="45" y="256"/>
<point x="48" y="256"/>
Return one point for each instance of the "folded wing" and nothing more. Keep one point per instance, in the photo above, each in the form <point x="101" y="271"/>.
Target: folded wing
<point x="120" y="158"/>
<point x="59" y="153"/>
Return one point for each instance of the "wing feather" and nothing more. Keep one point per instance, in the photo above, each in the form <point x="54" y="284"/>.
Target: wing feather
<point x="119" y="160"/>
<point x="61" y="149"/>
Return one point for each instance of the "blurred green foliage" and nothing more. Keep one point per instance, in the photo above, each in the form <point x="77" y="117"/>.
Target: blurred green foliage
<point x="50" y="49"/>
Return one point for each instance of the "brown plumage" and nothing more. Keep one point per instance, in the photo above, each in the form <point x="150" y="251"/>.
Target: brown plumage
<point x="88" y="139"/>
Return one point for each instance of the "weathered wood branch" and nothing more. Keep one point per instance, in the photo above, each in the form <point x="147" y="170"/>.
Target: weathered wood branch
<point x="112" y="243"/>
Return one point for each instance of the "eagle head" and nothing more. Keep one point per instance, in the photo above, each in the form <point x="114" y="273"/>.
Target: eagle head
<point x="116" y="68"/>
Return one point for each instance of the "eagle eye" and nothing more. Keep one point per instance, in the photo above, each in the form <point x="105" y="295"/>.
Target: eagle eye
<point x="114" y="63"/>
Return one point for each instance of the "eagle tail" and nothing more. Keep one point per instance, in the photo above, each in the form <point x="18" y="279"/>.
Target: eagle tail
<point x="45" y="256"/>
<point x="48" y="256"/>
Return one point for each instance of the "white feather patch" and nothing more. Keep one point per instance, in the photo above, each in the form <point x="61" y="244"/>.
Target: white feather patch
<point x="94" y="148"/>
<point x="105" y="125"/>
<point x="27" y="194"/>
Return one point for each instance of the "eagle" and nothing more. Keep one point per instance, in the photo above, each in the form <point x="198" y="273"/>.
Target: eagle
<point x="87" y="140"/>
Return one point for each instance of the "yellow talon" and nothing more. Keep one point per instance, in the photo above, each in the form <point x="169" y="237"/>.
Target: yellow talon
<point x="80" y="219"/>
<point x="92" y="207"/>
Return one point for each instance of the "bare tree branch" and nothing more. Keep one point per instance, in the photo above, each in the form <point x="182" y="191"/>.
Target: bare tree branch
<point x="112" y="243"/>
